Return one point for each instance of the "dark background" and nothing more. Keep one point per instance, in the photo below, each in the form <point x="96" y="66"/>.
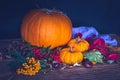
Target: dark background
<point x="104" y="15"/>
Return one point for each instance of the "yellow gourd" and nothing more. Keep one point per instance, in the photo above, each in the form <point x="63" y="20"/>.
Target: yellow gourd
<point x="79" y="44"/>
<point x="70" y="57"/>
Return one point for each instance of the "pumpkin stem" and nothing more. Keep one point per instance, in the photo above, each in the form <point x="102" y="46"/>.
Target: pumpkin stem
<point x="49" y="11"/>
<point x="71" y="50"/>
<point x="78" y="39"/>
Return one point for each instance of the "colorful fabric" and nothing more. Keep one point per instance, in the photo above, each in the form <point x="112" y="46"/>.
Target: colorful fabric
<point x="86" y="31"/>
<point x="109" y="40"/>
<point x="90" y="33"/>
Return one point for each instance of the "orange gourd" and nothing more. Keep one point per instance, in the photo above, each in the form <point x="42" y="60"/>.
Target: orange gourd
<point x="46" y="27"/>
<point x="79" y="44"/>
<point x="70" y="57"/>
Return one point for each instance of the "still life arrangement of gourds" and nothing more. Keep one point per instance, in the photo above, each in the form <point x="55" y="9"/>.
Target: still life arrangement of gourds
<point x="48" y="42"/>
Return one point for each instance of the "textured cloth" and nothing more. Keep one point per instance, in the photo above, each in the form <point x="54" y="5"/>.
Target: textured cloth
<point x="88" y="32"/>
<point x="109" y="40"/>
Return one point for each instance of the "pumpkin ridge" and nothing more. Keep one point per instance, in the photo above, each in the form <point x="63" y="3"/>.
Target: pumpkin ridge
<point x="45" y="35"/>
<point x="68" y="32"/>
<point x="72" y="58"/>
<point x="81" y="57"/>
<point x="39" y="30"/>
<point x="23" y="30"/>
<point x="29" y="27"/>
<point x="58" y="35"/>
<point x="33" y="33"/>
<point x="76" y="58"/>
<point x="62" y="56"/>
<point x="32" y="40"/>
<point x="27" y="30"/>
<point x="68" y="58"/>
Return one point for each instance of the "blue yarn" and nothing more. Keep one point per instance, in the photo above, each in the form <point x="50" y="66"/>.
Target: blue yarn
<point x="109" y="40"/>
<point x="86" y="31"/>
<point x="89" y="31"/>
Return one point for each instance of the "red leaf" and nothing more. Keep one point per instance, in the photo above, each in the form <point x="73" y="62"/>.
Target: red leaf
<point x="113" y="56"/>
<point x="99" y="42"/>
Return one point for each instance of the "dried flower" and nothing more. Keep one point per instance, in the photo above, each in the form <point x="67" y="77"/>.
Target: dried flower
<point x="30" y="67"/>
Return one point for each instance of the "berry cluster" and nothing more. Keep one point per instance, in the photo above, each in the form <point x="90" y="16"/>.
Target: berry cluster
<point x="30" y="67"/>
<point x="39" y="54"/>
<point x="55" y="55"/>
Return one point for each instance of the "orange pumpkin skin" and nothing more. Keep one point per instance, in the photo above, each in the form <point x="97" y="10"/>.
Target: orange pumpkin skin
<point x="81" y="45"/>
<point x="69" y="57"/>
<point x="46" y="28"/>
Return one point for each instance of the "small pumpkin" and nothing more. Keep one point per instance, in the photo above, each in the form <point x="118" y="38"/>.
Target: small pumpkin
<point x="70" y="57"/>
<point x="79" y="44"/>
<point x="45" y="27"/>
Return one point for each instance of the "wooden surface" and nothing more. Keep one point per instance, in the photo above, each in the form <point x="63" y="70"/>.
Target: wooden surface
<point x="98" y="72"/>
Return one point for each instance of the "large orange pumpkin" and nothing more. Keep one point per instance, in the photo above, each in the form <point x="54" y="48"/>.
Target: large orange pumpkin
<point x="46" y="28"/>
